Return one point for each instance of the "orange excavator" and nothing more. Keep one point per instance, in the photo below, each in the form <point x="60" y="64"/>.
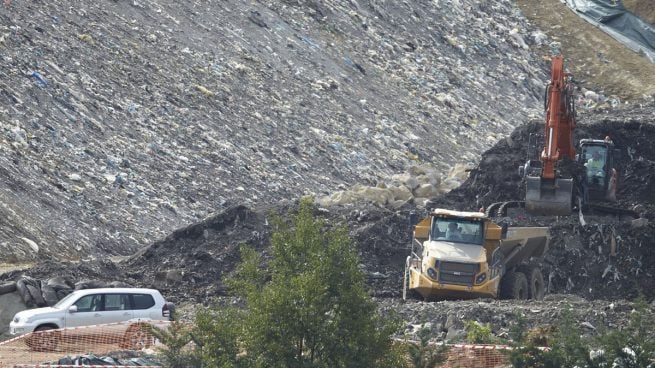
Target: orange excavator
<point x="546" y="192"/>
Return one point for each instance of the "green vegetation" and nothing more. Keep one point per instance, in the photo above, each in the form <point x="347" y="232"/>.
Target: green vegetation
<point x="477" y="333"/>
<point x="307" y="308"/>
<point x="425" y="355"/>
<point x="632" y="346"/>
<point x="175" y="352"/>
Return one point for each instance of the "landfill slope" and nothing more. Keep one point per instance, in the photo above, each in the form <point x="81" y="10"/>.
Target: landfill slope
<point x="598" y="62"/>
<point x="168" y="132"/>
<point x="644" y="9"/>
<point x="192" y="262"/>
<point x="121" y="121"/>
<point x="596" y="268"/>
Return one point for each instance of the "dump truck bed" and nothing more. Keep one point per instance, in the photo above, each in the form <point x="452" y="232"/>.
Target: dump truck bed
<point x="522" y="243"/>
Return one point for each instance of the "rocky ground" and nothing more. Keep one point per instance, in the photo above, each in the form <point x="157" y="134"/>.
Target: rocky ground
<point x="445" y="319"/>
<point x="110" y="149"/>
<point x="122" y="121"/>
<point x="190" y="263"/>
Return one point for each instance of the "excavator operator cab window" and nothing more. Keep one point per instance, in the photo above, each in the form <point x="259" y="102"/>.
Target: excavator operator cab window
<point x="594" y="161"/>
<point x="457" y="230"/>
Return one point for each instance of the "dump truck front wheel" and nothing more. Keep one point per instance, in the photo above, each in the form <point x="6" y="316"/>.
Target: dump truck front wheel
<point x="536" y="285"/>
<point x="514" y="285"/>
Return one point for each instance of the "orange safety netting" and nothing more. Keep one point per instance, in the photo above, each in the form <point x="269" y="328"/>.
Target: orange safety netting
<point x="36" y="348"/>
<point x="477" y="356"/>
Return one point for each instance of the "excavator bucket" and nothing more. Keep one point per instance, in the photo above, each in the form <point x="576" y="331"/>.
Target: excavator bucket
<point x="548" y="197"/>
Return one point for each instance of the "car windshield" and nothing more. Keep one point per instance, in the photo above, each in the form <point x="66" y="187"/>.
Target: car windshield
<point x="63" y="301"/>
<point x="457" y="230"/>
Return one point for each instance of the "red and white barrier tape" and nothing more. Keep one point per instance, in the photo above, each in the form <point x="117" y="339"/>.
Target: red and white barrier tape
<point x="78" y="366"/>
<point x="136" y="321"/>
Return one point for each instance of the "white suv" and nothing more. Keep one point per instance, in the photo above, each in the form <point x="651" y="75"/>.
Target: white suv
<point x="93" y="307"/>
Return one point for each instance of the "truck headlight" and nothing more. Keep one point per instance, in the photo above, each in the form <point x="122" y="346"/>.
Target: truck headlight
<point x="481" y="278"/>
<point x="16" y="319"/>
<point x="432" y="273"/>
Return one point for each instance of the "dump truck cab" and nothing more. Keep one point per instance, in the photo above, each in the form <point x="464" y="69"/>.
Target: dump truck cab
<point x="459" y="255"/>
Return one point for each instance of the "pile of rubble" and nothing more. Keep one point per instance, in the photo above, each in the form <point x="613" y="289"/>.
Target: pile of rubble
<point x="257" y="102"/>
<point x="106" y="145"/>
<point x="446" y="319"/>
<point x="46" y="293"/>
<point x="124" y="360"/>
<point x="608" y="252"/>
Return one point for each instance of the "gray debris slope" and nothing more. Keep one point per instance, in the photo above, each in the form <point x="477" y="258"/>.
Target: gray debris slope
<point x="123" y="120"/>
<point x="446" y="319"/>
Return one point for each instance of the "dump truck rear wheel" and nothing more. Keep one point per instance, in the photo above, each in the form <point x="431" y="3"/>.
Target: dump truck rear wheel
<point x="536" y="285"/>
<point x="514" y="286"/>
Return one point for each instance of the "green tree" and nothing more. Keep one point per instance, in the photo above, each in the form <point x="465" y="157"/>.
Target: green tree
<point x="569" y="349"/>
<point x="176" y="350"/>
<point x="314" y="311"/>
<point x="216" y="333"/>
<point x="632" y="346"/>
<point x="477" y="333"/>
<point x="424" y="355"/>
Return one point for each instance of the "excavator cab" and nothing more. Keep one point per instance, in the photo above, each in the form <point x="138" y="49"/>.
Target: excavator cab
<point x="598" y="158"/>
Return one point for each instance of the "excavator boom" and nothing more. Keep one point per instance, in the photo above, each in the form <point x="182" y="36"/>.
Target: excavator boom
<point x="548" y="194"/>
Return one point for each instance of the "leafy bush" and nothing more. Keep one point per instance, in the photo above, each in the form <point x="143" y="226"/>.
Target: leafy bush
<point x="308" y="309"/>
<point x="177" y="350"/>
<point x="425" y="355"/>
<point x="630" y="347"/>
<point x="477" y="333"/>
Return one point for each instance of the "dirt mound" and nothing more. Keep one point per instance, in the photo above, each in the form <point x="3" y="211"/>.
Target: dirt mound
<point x="607" y="258"/>
<point x="121" y="121"/>
<point x="192" y="262"/>
<point x="497" y="177"/>
<point x="592" y="268"/>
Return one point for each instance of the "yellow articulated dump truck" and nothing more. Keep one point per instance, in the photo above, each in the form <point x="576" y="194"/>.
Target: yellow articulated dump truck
<point x="463" y="255"/>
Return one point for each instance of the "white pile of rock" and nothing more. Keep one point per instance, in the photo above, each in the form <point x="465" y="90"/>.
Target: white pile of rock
<point x="418" y="185"/>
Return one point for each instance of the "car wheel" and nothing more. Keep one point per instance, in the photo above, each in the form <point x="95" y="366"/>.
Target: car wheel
<point x="138" y="336"/>
<point x="44" y="338"/>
